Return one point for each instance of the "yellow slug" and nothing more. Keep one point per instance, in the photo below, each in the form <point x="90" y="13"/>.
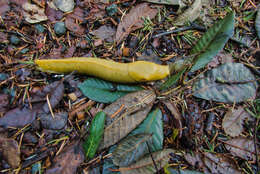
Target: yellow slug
<point x="139" y="71"/>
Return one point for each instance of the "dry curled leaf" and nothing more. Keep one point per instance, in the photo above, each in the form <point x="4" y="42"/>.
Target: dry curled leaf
<point x="33" y="13"/>
<point x="126" y="114"/>
<point x="133" y="20"/>
<point x="233" y="121"/>
<point x="241" y="147"/>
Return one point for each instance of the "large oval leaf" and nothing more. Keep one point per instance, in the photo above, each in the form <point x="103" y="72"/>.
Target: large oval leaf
<point x="153" y="124"/>
<point x="257" y="22"/>
<point x="126" y="114"/>
<point x="230" y="82"/>
<point x="109" y="165"/>
<point x="130" y="149"/>
<point x="146" y="165"/>
<point x="96" y="132"/>
<point x="213" y="41"/>
<point x="103" y="91"/>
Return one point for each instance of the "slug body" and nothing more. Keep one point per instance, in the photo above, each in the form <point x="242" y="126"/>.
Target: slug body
<point x="139" y="71"/>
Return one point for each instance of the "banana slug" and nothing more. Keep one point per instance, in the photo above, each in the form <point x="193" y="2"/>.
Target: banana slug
<point x="139" y="71"/>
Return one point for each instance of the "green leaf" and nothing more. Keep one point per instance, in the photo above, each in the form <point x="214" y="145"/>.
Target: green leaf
<point x="172" y="80"/>
<point x="152" y="125"/>
<point x="213" y="41"/>
<point x="257" y="22"/>
<point x="96" y="132"/>
<point x="103" y="91"/>
<point x="230" y="82"/>
<point x="131" y="149"/>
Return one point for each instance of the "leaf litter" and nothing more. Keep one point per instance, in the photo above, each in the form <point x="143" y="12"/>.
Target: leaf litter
<point x="32" y="100"/>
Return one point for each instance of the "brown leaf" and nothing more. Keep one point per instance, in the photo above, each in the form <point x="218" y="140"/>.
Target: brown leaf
<point x="146" y="165"/>
<point x="33" y="14"/>
<point x="104" y="32"/>
<point x="73" y="26"/>
<point x="133" y="109"/>
<point x="18" y="117"/>
<point x="4" y="101"/>
<point x="55" y="97"/>
<point x="242" y="147"/>
<point x="232" y="123"/>
<point x="195" y="160"/>
<point x="220" y="164"/>
<point x="176" y="115"/>
<point x="68" y="161"/>
<point x="11" y="152"/>
<point x="54" y="123"/>
<point x="133" y="20"/>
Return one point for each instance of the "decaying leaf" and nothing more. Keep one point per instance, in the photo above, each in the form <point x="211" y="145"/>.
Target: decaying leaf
<point x="220" y="164"/>
<point x="146" y="165"/>
<point x="130" y="149"/>
<point x="190" y="14"/>
<point x="64" y="5"/>
<point x="232" y="123"/>
<point x="126" y="114"/>
<point x="104" y="32"/>
<point x="10" y="151"/>
<point x="33" y="13"/>
<point x="242" y="147"/>
<point x="257" y="22"/>
<point x="230" y="82"/>
<point x="133" y="20"/>
<point x="67" y="161"/>
<point x="168" y="2"/>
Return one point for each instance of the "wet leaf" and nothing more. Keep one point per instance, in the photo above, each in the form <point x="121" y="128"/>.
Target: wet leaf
<point x="54" y="123"/>
<point x="172" y="80"/>
<point x="126" y="114"/>
<point x="189" y="15"/>
<point x="108" y="163"/>
<point x="242" y="147"/>
<point x="220" y="164"/>
<point x="168" y="2"/>
<point x="153" y="124"/>
<point x="95" y="135"/>
<point x="73" y="26"/>
<point x="18" y="117"/>
<point x="55" y="96"/>
<point x="68" y="160"/>
<point x="133" y="20"/>
<point x="65" y="5"/>
<point x="103" y="91"/>
<point x="10" y="151"/>
<point x="104" y="32"/>
<point x="213" y="41"/>
<point x="131" y="149"/>
<point x="257" y="22"/>
<point x="146" y="165"/>
<point x="230" y="82"/>
<point x="33" y="13"/>
<point x="232" y="123"/>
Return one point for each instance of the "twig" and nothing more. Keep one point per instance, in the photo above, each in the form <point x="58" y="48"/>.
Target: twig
<point x="156" y="168"/>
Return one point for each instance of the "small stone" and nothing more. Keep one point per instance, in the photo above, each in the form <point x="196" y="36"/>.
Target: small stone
<point x="39" y="28"/>
<point x="60" y="28"/>
<point x="111" y="10"/>
<point x="15" y="40"/>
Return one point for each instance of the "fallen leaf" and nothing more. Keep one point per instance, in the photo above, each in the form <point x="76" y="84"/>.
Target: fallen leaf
<point x="54" y="123"/>
<point x="189" y="15"/>
<point x="242" y="147"/>
<point x="73" y="26"/>
<point x="133" y="20"/>
<point x="232" y="123"/>
<point x="4" y="7"/>
<point x="220" y="164"/>
<point x="195" y="160"/>
<point x="33" y="13"/>
<point x="126" y="114"/>
<point x="11" y="151"/>
<point x="4" y="102"/>
<point x="18" y="117"/>
<point x="68" y="160"/>
<point x="104" y="32"/>
<point x="65" y="5"/>
<point x="146" y="164"/>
